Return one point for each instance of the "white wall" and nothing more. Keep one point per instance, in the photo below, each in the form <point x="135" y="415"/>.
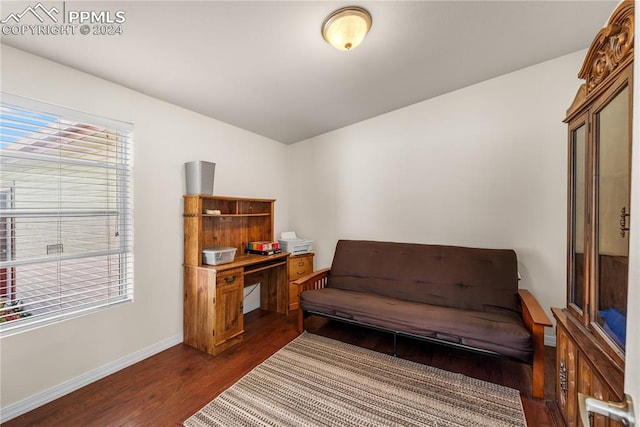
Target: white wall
<point x="483" y="166"/>
<point x="165" y="136"/>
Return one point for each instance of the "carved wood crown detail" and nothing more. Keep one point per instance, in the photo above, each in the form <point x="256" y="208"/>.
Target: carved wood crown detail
<point x="611" y="47"/>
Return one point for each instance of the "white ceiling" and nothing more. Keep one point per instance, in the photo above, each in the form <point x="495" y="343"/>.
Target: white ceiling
<point x="263" y="66"/>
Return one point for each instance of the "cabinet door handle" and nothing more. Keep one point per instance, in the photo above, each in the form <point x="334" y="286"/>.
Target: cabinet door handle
<point x="623" y="221"/>
<point x="230" y="279"/>
<point x="563" y="377"/>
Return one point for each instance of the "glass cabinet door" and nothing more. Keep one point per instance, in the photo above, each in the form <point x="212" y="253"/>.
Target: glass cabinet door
<point x="577" y="185"/>
<point x="613" y="148"/>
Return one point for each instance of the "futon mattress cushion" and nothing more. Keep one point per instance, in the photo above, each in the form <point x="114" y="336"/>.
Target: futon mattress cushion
<point x="503" y="333"/>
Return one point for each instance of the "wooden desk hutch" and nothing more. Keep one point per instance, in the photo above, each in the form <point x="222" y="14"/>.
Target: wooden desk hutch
<point x="213" y="295"/>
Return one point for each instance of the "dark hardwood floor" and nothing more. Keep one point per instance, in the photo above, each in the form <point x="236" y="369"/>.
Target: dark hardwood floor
<point x="167" y="388"/>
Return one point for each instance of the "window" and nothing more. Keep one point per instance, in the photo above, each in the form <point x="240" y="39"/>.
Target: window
<point x="66" y="214"/>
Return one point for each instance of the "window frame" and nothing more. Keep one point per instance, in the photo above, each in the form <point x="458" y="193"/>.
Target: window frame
<point x="121" y="217"/>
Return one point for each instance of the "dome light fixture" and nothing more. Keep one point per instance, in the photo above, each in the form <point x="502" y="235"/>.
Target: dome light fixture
<point x="345" y="28"/>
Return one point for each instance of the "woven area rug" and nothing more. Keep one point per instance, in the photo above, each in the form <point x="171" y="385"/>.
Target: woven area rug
<point x="317" y="381"/>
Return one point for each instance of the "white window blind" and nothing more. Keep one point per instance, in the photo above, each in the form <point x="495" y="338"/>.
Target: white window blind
<point x="66" y="214"/>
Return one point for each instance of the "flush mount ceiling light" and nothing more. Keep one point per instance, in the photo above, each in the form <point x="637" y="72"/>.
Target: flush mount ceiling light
<point x="345" y="28"/>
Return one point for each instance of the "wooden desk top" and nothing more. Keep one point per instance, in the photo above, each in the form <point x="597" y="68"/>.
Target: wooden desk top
<point x="249" y="260"/>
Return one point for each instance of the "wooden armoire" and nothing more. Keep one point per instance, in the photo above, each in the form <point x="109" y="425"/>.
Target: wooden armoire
<point x="591" y="331"/>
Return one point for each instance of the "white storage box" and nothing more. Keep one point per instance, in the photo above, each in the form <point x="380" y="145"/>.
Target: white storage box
<point x="215" y="255"/>
<point x="289" y="242"/>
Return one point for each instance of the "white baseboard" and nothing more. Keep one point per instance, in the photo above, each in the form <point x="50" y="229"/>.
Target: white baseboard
<point x="46" y="396"/>
<point x="550" y="340"/>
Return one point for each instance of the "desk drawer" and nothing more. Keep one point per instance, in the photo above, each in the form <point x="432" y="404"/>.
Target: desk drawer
<point x="299" y="266"/>
<point x="230" y="278"/>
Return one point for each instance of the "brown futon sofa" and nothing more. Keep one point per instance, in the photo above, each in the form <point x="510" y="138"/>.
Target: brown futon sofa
<point x="465" y="297"/>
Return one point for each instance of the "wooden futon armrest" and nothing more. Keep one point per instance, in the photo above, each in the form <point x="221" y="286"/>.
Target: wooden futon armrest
<point x="315" y="280"/>
<point x="535" y="320"/>
<point x="532" y="311"/>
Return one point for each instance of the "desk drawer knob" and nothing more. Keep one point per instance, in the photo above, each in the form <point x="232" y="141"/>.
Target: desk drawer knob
<point x="230" y="279"/>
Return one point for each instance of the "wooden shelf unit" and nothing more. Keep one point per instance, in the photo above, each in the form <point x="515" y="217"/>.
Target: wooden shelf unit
<point x="213" y="294"/>
<point x="241" y="221"/>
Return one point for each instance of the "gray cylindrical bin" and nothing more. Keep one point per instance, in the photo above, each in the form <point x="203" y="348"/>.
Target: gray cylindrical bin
<point x="199" y="176"/>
